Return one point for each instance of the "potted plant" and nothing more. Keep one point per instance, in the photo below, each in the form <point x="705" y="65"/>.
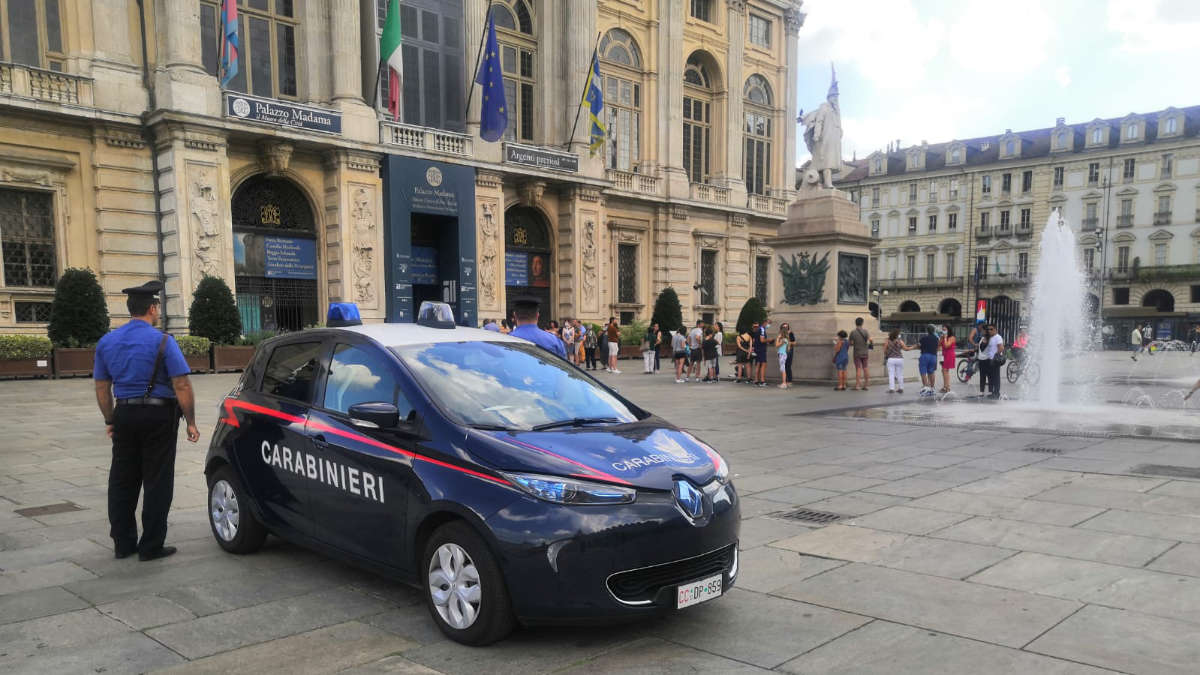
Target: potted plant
<point x="214" y="315"/>
<point x="25" y="356"/>
<point x="78" y="319"/>
<point x="198" y="352"/>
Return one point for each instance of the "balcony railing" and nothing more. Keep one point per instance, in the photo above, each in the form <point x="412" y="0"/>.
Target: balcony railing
<point x="1025" y="230"/>
<point x="45" y="85"/>
<point x="1157" y="273"/>
<point x="767" y="204"/>
<point x="1162" y="217"/>
<point x="1088" y="224"/>
<point x="1004" y="279"/>
<point x="983" y="232"/>
<point x="437" y="141"/>
<point x="703" y="192"/>
<point x="634" y="182"/>
<point x="1125" y="220"/>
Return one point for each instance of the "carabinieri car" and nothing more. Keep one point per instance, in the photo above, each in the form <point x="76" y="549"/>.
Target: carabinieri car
<point x="504" y="482"/>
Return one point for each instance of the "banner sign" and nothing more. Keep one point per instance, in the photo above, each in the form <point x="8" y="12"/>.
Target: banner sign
<point x="541" y="158"/>
<point x="290" y="258"/>
<point x="981" y="310"/>
<point x="283" y="114"/>
<point x="516" y="269"/>
<point x="423" y="267"/>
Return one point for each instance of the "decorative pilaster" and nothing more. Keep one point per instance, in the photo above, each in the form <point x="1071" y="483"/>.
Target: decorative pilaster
<point x="346" y="48"/>
<point x="793" y="19"/>
<point x="670" y="93"/>
<point x="353" y="238"/>
<point x="735" y="78"/>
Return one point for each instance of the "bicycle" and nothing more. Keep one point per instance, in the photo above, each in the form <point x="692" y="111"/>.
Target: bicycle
<point x="1020" y="366"/>
<point x="966" y="366"/>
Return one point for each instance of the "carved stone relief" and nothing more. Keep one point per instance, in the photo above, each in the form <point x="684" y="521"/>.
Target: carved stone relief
<point x="363" y="251"/>
<point x="589" y="263"/>
<point x="488" y="254"/>
<point x="206" y="234"/>
<point x="275" y="157"/>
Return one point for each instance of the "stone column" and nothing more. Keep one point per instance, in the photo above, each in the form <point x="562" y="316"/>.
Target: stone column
<point x="793" y="19"/>
<point x="670" y="97"/>
<point x="346" y="46"/>
<point x="118" y="80"/>
<point x="579" y="38"/>
<point x="474" y="20"/>
<point x="735" y="78"/>
<point x="180" y="81"/>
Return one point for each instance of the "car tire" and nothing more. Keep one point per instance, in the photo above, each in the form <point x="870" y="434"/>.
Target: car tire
<point x="233" y="524"/>
<point x="464" y="589"/>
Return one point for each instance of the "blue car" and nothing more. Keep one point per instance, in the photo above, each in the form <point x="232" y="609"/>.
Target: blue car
<point x="505" y="483"/>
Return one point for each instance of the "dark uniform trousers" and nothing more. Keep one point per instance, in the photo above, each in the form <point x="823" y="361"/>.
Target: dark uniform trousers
<point x="143" y="455"/>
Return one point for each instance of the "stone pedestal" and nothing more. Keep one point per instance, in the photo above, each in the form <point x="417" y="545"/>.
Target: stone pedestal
<point x="822" y="256"/>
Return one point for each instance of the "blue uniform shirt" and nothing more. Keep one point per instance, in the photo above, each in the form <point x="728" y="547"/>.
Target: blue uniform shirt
<point x="126" y="357"/>
<point x="540" y="338"/>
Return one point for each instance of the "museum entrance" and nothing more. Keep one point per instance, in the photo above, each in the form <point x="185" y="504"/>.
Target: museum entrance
<point x="433" y="237"/>
<point x="527" y="259"/>
<point x="274" y="256"/>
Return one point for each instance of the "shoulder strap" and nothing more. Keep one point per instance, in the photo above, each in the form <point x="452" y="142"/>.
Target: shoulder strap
<point x="158" y="358"/>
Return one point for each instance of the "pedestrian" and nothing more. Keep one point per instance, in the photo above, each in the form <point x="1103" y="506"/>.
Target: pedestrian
<point x="1147" y="339"/>
<point x="527" y="314"/>
<point x="696" y="350"/>
<point x="1135" y="341"/>
<point x="590" y="342"/>
<point x="614" y="344"/>
<point x="742" y="358"/>
<point x="781" y="345"/>
<point x="649" y="348"/>
<point x="948" y="344"/>
<point x="711" y="352"/>
<point x="490" y="324"/>
<point x="568" y="338"/>
<point x="1195" y="338"/>
<point x="841" y="358"/>
<point x="791" y="351"/>
<point x="142" y="389"/>
<point x="893" y="359"/>
<point x="679" y="353"/>
<point x="990" y="360"/>
<point x="927" y="365"/>
<point x="719" y="336"/>
<point x="760" y="353"/>
<point x="861" y="340"/>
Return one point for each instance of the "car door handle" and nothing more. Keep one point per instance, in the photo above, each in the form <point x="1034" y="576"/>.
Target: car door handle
<point x="320" y="442"/>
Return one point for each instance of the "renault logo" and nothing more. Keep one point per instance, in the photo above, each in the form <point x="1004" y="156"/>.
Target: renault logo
<point x="689" y="498"/>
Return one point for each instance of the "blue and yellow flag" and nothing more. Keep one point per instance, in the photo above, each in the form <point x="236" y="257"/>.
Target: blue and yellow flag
<point x="593" y="98"/>
<point x="493" y="115"/>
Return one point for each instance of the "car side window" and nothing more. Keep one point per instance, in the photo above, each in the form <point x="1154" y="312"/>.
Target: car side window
<point x="362" y="375"/>
<point x="291" y="371"/>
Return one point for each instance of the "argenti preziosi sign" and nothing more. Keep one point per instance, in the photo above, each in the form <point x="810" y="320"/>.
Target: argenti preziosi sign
<point x="540" y="158"/>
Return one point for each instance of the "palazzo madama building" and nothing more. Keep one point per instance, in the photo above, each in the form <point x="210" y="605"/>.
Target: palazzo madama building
<point x="121" y="152"/>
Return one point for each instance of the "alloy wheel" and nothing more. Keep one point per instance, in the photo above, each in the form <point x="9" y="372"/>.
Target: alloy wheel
<point x="454" y="586"/>
<point x="224" y="511"/>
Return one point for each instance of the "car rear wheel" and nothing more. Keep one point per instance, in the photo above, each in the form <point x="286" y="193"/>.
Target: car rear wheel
<point x="464" y="588"/>
<point x="233" y="525"/>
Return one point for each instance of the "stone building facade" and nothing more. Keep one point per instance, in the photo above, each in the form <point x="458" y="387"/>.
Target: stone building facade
<point x="125" y="155"/>
<point x="942" y="212"/>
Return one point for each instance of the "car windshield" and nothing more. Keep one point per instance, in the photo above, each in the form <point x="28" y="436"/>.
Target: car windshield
<point x="509" y="384"/>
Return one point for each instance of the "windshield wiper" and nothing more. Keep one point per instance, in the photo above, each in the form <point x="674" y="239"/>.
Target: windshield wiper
<point x="573" y="422"/>
<point x="491" y="427"/>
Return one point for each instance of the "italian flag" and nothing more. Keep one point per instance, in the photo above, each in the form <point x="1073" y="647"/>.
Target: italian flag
<point x="389" y="52"/>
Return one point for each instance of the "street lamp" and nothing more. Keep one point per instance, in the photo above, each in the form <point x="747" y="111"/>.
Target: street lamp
<point x="877" y="293"/>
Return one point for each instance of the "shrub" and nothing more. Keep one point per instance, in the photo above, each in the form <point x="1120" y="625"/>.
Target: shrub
<point x="16" y="347"/>
<point x="752" y="312"/>
<point x="632" y="334"/>
<point x="194" y="345"/>
<point x="213" y="313"/>
<point x="667" y="312"/>
<point x="79" y="314"/>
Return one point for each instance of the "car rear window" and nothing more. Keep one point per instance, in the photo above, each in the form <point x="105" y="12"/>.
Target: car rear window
<point x="291" y="371"/>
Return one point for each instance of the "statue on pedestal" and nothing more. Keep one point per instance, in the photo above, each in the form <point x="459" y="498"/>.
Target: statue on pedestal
<point x="823" y="135"/>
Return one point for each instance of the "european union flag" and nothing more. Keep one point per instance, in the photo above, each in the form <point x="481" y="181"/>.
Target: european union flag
<point x="493" y="117"/>
<point x="593" y="95"/>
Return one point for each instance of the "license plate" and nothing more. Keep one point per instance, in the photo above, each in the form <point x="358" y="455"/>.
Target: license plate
<point x="696" y="592"/>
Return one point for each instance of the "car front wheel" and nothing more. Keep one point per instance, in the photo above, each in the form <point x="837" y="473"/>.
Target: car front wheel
<point x="464" y="588"/>
<point x="233" y="525"/>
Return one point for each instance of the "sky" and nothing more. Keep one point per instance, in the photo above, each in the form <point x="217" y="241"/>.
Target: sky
<point x="938" y="70"/>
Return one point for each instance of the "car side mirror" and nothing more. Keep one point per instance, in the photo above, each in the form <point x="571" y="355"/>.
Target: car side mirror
<point x="376" y="415"/>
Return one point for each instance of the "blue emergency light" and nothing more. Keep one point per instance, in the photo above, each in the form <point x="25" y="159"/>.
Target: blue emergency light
<point x="342" y="314"/>
<point x="435" y="315"/>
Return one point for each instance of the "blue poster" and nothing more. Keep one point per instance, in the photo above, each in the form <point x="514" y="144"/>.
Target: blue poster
<point x="423" y="267"/>
<point x="290" y="258"/>
<point x="516" y="269"/>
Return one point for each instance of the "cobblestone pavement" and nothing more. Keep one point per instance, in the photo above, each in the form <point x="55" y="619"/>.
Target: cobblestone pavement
<point x="957" y="551"/>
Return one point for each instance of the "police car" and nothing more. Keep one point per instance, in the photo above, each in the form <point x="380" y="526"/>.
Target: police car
<point x="504" y="482"/>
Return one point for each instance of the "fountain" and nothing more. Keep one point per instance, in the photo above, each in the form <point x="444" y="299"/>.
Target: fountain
<point x="1058" y="324"/>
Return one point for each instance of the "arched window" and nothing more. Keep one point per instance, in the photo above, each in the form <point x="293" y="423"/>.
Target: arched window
<point x="758" y="131"/>
<point x="622" y="71"/>
<point x="268" y="31"/>
<point x="697" y="119"/>
<point x="32" y="33"/>
<point x="909" y="306"/>
<point x="518" y="48"/>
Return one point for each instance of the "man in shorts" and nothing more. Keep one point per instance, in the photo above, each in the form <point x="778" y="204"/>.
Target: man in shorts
<point x="928" y="363"/>
<point x="695" y="343"/>
<point x="861" y="341"/>
<point x="760" y="354"/>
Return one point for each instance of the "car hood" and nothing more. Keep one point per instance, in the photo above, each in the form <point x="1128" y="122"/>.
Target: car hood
<point x="647" y="454"/>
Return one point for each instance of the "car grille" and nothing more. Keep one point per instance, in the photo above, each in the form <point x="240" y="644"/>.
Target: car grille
<point x="642" y="585"/>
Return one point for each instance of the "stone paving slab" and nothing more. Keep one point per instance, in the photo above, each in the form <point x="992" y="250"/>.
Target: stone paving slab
<point x="15" y="607"/>
<point x="1010" y="508"/>
<point x="124" y="653"/>
<point x="1123" y="499"/>
<point x="1182" y="528"/>
<point x="652" y="656"/>
<point x="1122" y="640"/>
<point x="1120" y="549"/>
<point x="909" y="520"/>
<point x="767" y="569"/>
<point x="1183" y="559"/>
<point x="937" y="557"/>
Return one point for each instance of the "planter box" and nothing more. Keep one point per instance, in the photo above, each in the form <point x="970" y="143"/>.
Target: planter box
<point x="630" y="352"/>
<point x="71" y="362"/>
<point x="26" y="368"/>
<point x="199" y="364"/>
<point x="231" y="357"/>
<point x="728" y="350"/>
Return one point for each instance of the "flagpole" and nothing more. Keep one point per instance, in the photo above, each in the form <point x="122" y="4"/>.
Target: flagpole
<point x="378" y="76"/>
<point x="221" y="51"/>
<point x="478" y="55"/>
<point x="579" y="109"/>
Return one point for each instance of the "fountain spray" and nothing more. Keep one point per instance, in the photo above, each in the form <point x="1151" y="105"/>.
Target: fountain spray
<point x="1059" y="329"/>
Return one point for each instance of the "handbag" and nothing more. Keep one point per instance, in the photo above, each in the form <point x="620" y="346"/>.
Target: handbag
<point x="1000" y="358"/>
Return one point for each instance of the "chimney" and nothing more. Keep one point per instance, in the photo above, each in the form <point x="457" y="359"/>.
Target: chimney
<point x="1058" y="122"/>
<point x="1008" y="131"/>
<point x="897" y="144"/>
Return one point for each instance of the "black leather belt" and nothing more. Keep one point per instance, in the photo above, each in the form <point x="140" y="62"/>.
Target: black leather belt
<point x="146" y="400"/>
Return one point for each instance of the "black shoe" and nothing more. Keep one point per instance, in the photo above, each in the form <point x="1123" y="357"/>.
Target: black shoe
<point x="121" y="555"/>
<point x="157" y="553"/>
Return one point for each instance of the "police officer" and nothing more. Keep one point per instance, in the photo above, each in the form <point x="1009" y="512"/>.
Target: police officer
<point x="142" y="387"/>
<point x="525" y="309"/>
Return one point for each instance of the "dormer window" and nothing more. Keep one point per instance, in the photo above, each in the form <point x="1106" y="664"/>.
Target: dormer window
<point x="1061" y="139"/>
<point x="1097" y="135"/>
<point x="1169" y="126"/>
<point x="878" y="165"/>
<point x="1131" y="132"/>
<point x="954" y="156"/>
<point x="1010" y="148"/>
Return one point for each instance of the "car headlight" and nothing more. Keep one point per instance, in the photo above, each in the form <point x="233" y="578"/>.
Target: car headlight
<point x="561" y="490"/>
